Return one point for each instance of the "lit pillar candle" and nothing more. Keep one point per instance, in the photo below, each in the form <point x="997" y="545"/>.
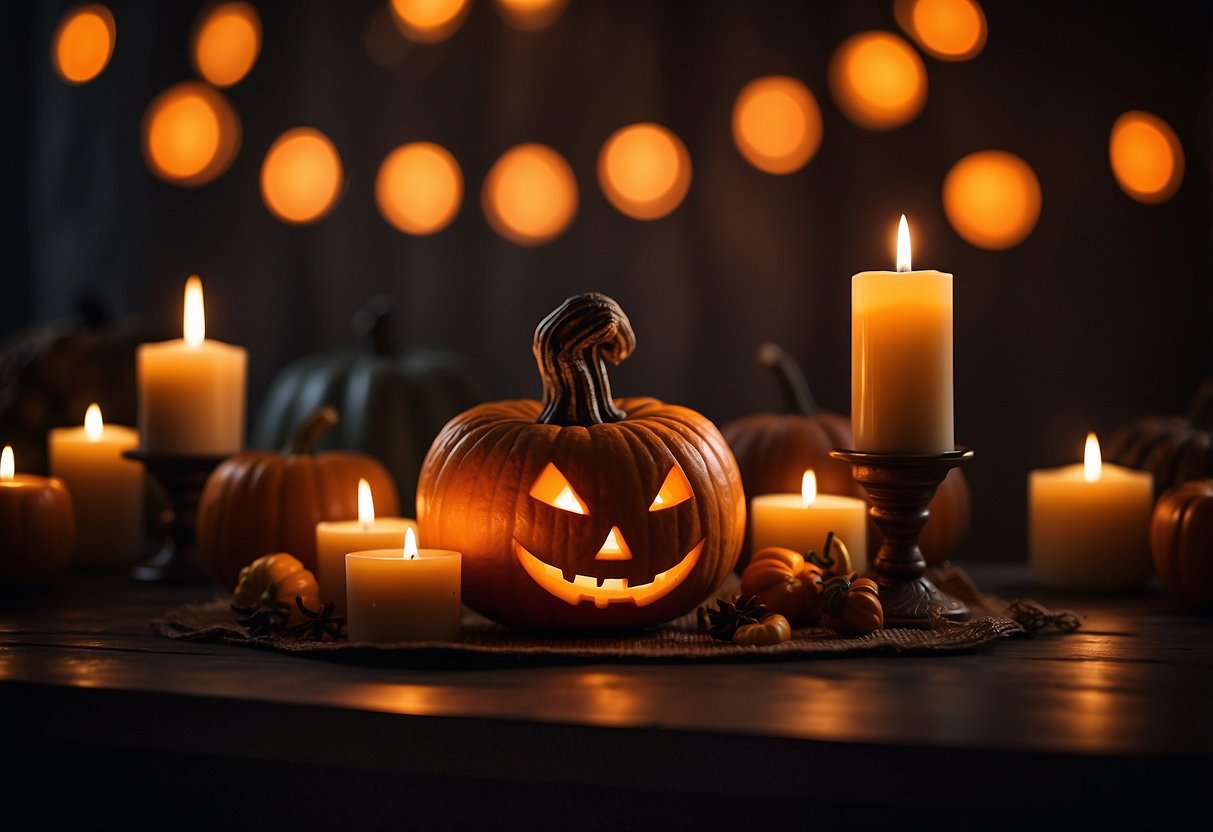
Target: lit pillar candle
<point x="191" y="391"/>
<point x="801" y="521"/>
<point x="337" y="538"/>
<point x="1089" y="524"/>
<point x="106" y="488"/>
<point x="37" y="525"/>
<point x="901" y="358"/>
<point x="403" y="594"/>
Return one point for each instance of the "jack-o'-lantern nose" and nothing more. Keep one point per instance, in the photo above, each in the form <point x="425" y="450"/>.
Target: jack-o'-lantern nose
<point x="614" y="547"/>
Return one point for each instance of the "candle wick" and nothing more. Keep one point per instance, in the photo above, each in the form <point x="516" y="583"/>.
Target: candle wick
<point x="903" y="269"/>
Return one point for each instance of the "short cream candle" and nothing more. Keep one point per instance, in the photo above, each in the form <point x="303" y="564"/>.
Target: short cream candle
<point x="191" y="391"/>
<point x="337" y="538"/>
<point x="407" y="594"/>
<point x="901" y="358"/>
<point x="1089" y="525"/>
<point x="106" y="489"/>
<point x="801" y="521"/>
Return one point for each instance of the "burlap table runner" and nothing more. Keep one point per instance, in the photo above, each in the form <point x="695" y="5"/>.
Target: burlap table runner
<point x="483" y="642"/>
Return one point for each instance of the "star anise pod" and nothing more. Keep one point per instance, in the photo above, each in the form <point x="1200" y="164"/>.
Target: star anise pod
<point x="318" y="624"/>
<point x="722" y="622"/>
<point x="261" y="621"/>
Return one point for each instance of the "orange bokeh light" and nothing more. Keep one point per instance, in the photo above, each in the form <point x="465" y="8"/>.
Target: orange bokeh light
<point x="429" y="21"/>
<point x="226" y="43"/>
<point x="777" y="124"/>
<point x="1146" y="156"/>
<point x="878" y="80"/>
<point x="950" y="30"/>
<point x="644" y="170"/>
<point x="419" y="188"/>
<point x="301" y="177"/>
<point x="190" y="134"/>
<point x="992" y="199"/>
<point x="530" y="195"/>
<point x="530" y="15"/>
<point x="83" y="43"/>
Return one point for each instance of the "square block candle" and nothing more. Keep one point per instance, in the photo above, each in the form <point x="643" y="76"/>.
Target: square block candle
<point x="407" y="594"/>
<point x="1089" y="525"/>
<point x="106" y="489"/>
<point x="191" y="391"/>
<point x="337" y="538"/>
<point x="801" y="521"/>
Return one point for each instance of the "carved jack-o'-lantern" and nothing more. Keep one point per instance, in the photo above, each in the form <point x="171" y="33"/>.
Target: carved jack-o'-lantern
<point x="583" y="512"/>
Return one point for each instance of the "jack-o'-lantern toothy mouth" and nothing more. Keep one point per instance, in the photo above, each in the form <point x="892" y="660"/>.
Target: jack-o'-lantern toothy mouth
<point x="603" y="592"/>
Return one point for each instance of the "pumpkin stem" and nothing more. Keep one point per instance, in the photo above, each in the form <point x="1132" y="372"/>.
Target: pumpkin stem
<point x="572" y="345"/>
<point x="372" y="325"/>
<point x="1200" y="414"/>
<point x="304" y="439"/>
<point x="797" y="397"/>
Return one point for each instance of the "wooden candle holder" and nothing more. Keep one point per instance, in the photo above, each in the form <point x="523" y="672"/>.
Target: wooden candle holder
<point x="177" y="561"/>
<point x="900" y="488"/>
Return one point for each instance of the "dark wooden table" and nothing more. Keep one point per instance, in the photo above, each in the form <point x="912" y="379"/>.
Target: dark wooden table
<point x="104" y="724"/>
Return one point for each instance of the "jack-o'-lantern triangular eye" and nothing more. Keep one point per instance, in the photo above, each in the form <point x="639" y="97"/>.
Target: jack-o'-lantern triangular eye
<point x="553" y="488"/>
<point x="676" y="489"/>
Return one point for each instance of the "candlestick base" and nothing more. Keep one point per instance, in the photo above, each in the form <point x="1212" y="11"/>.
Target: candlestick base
<point x="900" y="487"/>
<point x="178" y="560"/>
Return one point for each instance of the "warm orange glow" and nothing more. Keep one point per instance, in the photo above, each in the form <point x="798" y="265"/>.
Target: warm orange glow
<point x="530" y="195"/>
<point x="530" y="15"/>
<point x="606" y="591"/>
<point x="676" y="489"/>
<point x="777" y="124"/>
<point x="83" y="43"/>
<point x="1147" y="158"/>
<point x="644" y="170"/>
<point x="808" y="488"/>
<point x="878" y="80"/>
<point x="366" y="503"/>
<point x="903" y="245"/>
<point x="301" y="176"/>
<point x="1092" y="460"/>
<point x="190" y="134"/>
<point x="613" y="547"/>
<point x="429" y="21"/>
<point x="992" y="199"/>
<point x="226" y="43"/>
<point x="419" y="188"/>
<point x="410" y="544"/>
<point x="950" y="30"/>
<point x="8" y="466"/>
<point x="194" y="314"/>
<point x="553" y="488"/>
<point x="94" y="428"/>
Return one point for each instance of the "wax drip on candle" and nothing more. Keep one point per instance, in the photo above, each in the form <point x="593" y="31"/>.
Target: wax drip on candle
<point x="808" y="488"/>
<point x="1092" y="460"/>
<point x="93" y="426"/>
<point x="8" y="467"/>
<point x="410" y="545"/>
<point x="366" y="505"/>
<point x="195" y="314"/>
<point x="903" y="245"/>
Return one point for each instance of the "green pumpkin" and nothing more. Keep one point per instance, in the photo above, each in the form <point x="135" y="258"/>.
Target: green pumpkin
<point x="392" y="406"/>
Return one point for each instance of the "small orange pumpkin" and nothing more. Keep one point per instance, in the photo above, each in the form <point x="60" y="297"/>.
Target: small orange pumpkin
<point x="851" y="606"/>
<point x="276" y="581"/>
<point x="784" y="582"/>
<point x="1181" y="540"/>
<point x="259" y="501"/>
<point x="37" y="529"/>
<point x="770" y="629"/>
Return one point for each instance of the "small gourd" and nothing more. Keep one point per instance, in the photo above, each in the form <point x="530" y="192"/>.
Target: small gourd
<point x="851" y="606"/>
<point x="1181" y="540"/>
<point x="770" y="629"/>
<point x="276" y="580"/>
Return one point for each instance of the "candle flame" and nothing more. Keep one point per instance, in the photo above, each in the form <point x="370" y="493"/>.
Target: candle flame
<point x="195" y="315"/>
<point x="366" y="503"/>
<point x="8" y="468"/>
<point x="808" y="488"/>
<point x="1092" y="461"/>
<point x="903" y="245"/>
<point x="410" y="544"/>
<point x="92" y="423"/>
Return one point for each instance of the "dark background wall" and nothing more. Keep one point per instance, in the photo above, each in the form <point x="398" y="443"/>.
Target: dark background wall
<point x="1101" y="314"/>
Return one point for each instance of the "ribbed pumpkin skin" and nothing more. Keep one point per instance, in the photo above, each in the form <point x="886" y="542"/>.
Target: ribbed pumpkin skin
<point x="259" y="502"/>
<point x="1181" y="540"/>
<point x="1175" y="449"/>
<point x="37" y="533"/>
<point x="474" y="497"/>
